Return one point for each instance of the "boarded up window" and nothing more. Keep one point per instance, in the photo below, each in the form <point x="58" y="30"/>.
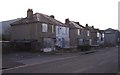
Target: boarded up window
<point x="47" y="42"/>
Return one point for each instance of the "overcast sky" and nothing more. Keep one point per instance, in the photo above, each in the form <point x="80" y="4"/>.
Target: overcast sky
<point x="102" y="14"/>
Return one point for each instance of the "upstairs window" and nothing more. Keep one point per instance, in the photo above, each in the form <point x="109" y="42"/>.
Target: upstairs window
<point x="59" y="29"/>
<point x="44" y="27"/>
<point x="66" y="31"/>
<point x="52" y="28"/>
<point x="88" y="33"/>
<point x="47" y="42"/>
<point x="98" y="35"/>
<point x="78" y="30"/>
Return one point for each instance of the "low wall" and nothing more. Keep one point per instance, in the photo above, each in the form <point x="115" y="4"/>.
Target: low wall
<point x="6" y="47"/>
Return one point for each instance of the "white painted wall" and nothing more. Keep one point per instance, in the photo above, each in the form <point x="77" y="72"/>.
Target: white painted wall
<point x="62" y="36"/>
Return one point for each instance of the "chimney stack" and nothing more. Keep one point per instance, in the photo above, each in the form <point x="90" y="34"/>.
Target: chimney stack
<point x="86" y="25"/>
<point x="92" y="26"/>
<point x="67" y="21"/>
<point x="52" y="16"/>
<point x="29" y="13"/>
<point x="77" y="23"/>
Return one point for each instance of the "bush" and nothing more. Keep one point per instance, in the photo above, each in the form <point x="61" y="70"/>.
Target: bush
<point x="109" y="45"/>
<point x="84" y="47"/>
<point x="57" y="47"/>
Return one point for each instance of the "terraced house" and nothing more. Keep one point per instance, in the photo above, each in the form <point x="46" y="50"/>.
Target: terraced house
<point x="45" y="32"/>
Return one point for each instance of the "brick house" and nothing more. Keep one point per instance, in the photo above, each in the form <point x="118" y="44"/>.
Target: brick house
<point x="92" y="35"/>
<point x="100" y="37"/>
<point x="39" y="29"/>
<point x="77" y="32"/>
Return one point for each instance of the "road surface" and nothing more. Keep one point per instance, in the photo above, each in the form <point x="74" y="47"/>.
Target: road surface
<point x="102" y="61"/>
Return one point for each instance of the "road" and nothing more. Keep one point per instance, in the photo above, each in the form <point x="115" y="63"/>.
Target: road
<point x="102" y="61"/>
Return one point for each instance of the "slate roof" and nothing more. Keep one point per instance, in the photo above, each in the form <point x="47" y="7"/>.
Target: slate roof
<point x="92" y="29"/>
<point x="38" y="17"/>
<point x="111" y="30"/>
<point x="73" y="24"/>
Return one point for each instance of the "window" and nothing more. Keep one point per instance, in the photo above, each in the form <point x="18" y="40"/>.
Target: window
<point x="78" y="30"/>
<point x="98" y="35"/>
<point x="47" y="43"/>
<point x="88" y="33"/>
<point x="58" y="42"/>
<point x="103" y="35"/>
<point x="52" y="28"/>
<point x="59" y="28"/>
<point x="90" y="42"/>
<point x="80" y="41"/>
<point x="44" y="27"/>
<point x="66" y="31"/>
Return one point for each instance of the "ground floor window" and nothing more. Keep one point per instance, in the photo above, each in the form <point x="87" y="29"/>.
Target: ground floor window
<point x="62" y="42"/>
<point x="80" y="41"/>
<point x="59" y="42"/>
<point x="47" y="42"/>
<point x="90" y="42"/>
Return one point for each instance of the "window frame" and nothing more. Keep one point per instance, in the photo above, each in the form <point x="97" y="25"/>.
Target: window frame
<point x="88" y="33"/>
<point x="78" y="31"/>
<point x="44" y="27"/>
<point x="52" y="29"/>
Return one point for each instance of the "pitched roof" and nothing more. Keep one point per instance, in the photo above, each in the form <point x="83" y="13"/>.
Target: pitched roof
<point x="91" y="28"/>
<point x="38" y="17"/>
<point x="73" y="24"/>
<point x="110" y="29"/>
